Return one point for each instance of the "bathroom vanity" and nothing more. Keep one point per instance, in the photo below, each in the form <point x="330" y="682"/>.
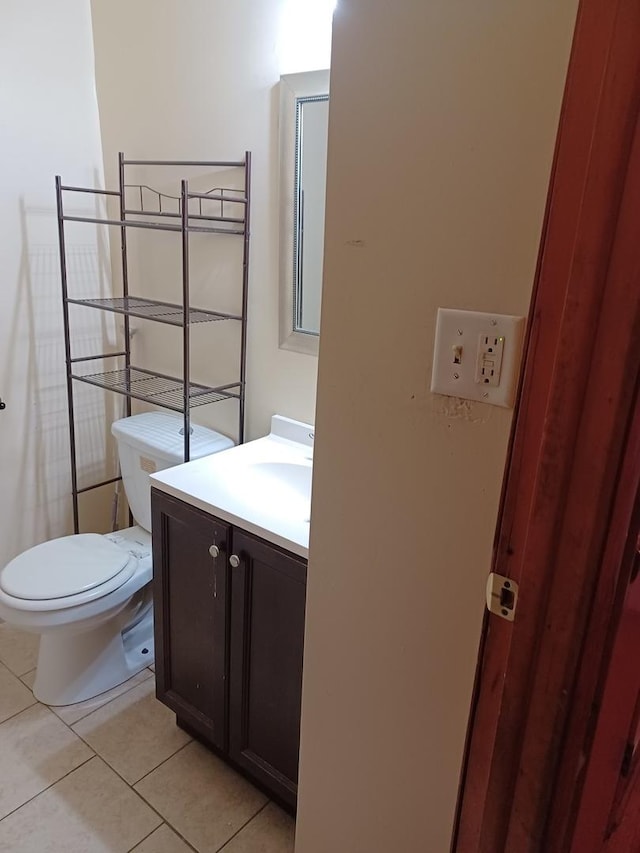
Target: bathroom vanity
<point x="230" y="541"/>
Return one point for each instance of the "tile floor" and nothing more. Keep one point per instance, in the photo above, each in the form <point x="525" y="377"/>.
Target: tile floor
<point x="114" y="774"/>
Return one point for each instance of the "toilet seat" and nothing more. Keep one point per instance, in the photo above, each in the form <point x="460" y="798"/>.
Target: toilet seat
<point x="65" y="572"/>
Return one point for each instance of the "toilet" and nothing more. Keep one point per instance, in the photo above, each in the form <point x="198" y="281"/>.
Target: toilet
<point x="89" y="595"/>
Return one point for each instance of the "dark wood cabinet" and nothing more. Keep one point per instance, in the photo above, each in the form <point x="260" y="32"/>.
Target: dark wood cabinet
<point x="190" y="614"/>
<point x="268" y="590"/>
<point x="229" y="635"/>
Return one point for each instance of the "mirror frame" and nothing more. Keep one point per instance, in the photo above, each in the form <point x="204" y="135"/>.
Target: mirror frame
<point x="307" y="84"/>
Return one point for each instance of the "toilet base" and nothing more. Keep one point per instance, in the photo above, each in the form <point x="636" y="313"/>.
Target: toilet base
<point x="78" y="666"/>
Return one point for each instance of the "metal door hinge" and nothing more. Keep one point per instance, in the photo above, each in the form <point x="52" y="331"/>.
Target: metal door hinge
<point x="502" y="596"/>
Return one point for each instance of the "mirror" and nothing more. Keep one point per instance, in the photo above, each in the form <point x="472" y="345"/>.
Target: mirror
<point x="304" y="113"/>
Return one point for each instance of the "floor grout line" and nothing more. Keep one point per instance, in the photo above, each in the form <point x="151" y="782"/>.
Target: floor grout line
<point x="131" y="785"/>
<point x="22" y="679"/>
<point x="100" y="707"/>
<point x="22" y="674"/>
<point x="17" y="713"/>
<point x="164" y="761"/>
<point x="151" y="806"/>
<point x="142" y="840"/>
<point x="106" y="763"/>
<point x="167" y="824"/>
<point x="163" y="819"/>
<point x="229" y="840"/>
<point x="35" y="796"/>
<point x="118" y="774"/>
<point x="19" y="675"/>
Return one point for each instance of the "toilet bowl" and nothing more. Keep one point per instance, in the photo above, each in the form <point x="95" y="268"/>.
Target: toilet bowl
<point x="89" y="595"/>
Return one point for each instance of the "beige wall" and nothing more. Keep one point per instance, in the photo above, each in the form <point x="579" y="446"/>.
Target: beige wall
<point x="48" y="126"/>
<point x="198" y="79"/>
<point x="441" y="133"/>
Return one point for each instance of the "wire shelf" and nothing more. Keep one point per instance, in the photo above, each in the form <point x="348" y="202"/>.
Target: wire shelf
<point x="158" y="389"/>
<point x="135" y="223"/>
<point x="152" y="202"/>
<point x="219" y="210"/>
<point x="225" y="208"/>
<point x="153" y="309"/>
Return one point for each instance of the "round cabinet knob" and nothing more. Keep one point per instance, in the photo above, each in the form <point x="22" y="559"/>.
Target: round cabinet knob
<point x="234" y="560"/>
<point x="214" y="551"/>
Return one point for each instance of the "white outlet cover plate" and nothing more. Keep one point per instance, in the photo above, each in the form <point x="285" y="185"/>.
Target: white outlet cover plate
<point x="456" y="328"/>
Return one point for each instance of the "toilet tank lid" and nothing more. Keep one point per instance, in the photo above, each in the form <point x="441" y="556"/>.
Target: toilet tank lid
<point x="161" y="434"/>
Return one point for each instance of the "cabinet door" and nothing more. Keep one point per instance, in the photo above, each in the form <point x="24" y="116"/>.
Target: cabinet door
<point x="268" y="590"/>
<point x="190" y="595"/>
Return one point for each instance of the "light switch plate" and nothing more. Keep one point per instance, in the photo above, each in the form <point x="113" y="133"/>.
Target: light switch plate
<point x="477" y="356"/>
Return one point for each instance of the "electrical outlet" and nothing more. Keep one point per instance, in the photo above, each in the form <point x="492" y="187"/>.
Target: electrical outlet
<point x="477" y="356"/>
<point x="489" y="361"/>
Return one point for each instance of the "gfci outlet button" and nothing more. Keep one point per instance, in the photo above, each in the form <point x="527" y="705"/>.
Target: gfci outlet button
<point x="477" y="355"/>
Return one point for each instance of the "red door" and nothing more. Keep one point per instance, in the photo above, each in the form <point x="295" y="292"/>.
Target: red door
<point x="551" y="750"/>
<point x="608" y="819"/>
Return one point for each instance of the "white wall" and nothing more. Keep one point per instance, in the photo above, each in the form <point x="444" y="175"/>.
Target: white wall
<point x="198" y="79"/>
<point x="48" y="125"/>
<point x="441" y="133"/>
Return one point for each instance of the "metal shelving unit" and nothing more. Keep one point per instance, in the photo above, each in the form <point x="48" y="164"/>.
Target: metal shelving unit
<point x="221" y="210"/>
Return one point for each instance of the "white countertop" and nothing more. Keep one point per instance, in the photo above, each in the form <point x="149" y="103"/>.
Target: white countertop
<point x="263" y="486"/>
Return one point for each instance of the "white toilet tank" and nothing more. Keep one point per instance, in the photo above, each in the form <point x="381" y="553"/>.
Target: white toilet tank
<point x="152" y="441"/>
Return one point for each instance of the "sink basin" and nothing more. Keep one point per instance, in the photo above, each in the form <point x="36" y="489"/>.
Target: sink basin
<point x="278" y="488"/>
<point x="262" y="486"/>
<point x="294" y="477"/>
